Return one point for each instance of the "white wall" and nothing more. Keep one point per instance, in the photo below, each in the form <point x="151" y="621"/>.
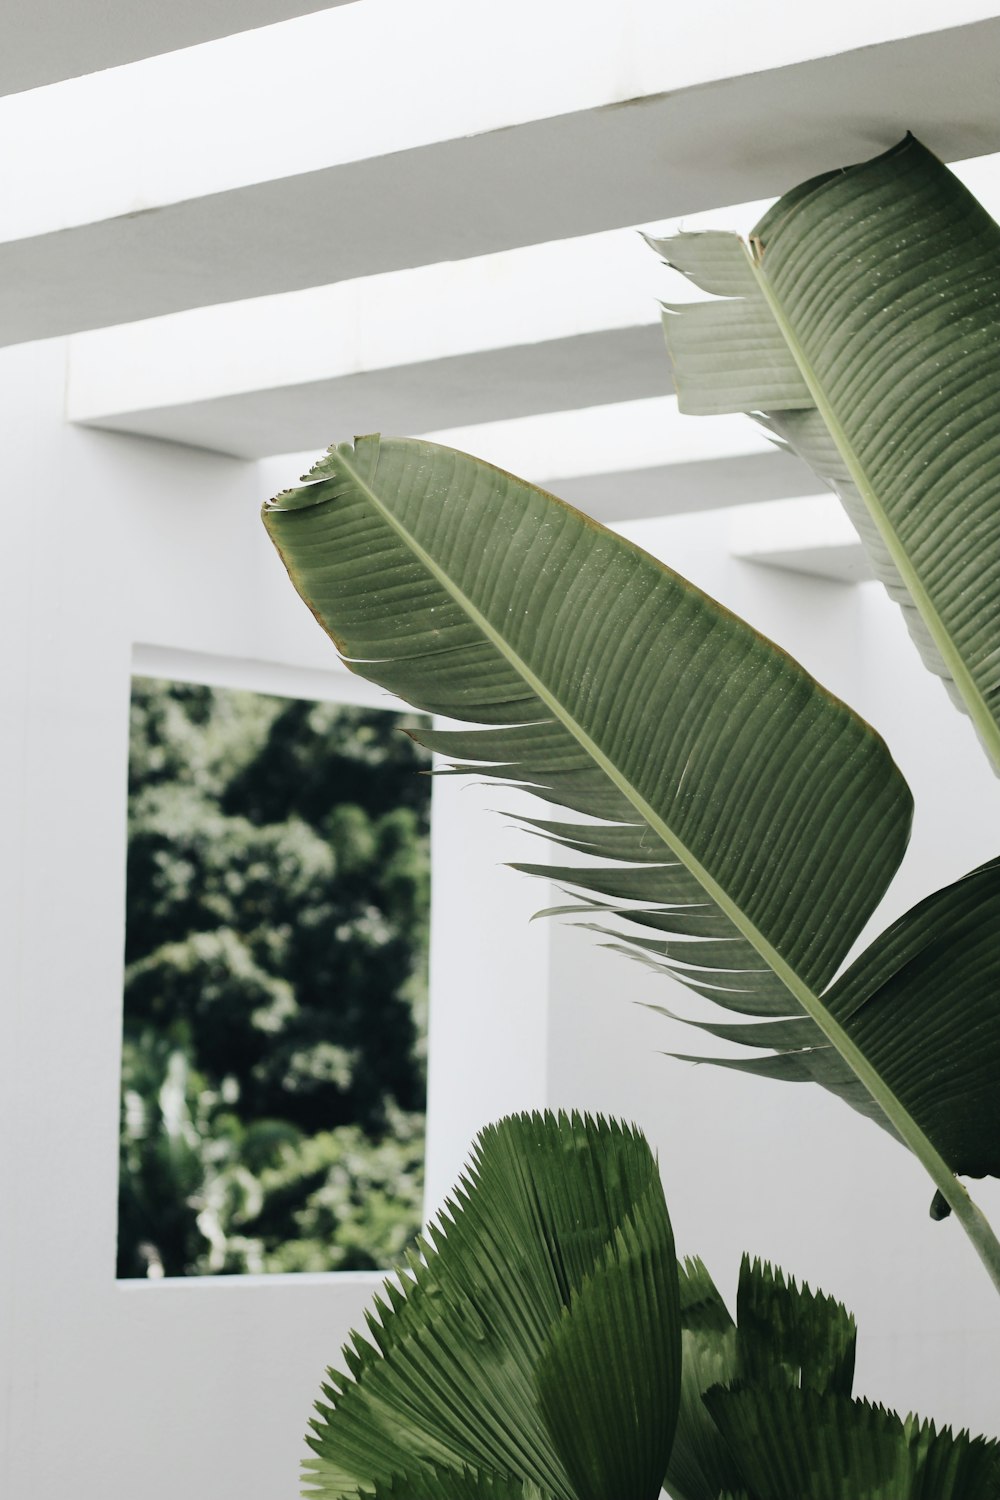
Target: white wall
<point x="203" y="1388"/>
<point x="786" y="1171"/>
<point x="194" y="1388"/>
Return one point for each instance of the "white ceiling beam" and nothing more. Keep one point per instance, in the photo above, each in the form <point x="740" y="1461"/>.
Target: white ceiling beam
<point x="553" y="327"/>
<point x="638" y="458"/>
<point x="547" y="361"/>
<point x="47" y="41"/>
<point x="670" y="489"/>
<point x="618" y="463"/>
<point x="562" y="325"/>
<point x="385" y="134"/>
<point x="810" y="535"/>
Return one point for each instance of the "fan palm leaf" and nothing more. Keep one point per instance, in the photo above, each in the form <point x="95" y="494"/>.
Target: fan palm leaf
<point x="801" y="1444"/>
<point x="545" y="1345"/>
<point x="533" y="1347"/>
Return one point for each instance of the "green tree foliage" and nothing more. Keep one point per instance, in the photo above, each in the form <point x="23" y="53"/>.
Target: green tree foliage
<point x="273" y="1074"/>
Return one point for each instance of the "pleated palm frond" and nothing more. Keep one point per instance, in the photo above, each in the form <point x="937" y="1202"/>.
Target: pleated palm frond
<point x="701" y="1465"/>
<point x="791" y="1336"/>
<point x="809" y="1445"/>
<point x="767" y="1411"/>
<point x="545" y="1345"/>
<point x="862" y="324"/>
<point x="784" y="1338"/>
<point x="452" y="1484"/>
<point x="532" y="1349"/>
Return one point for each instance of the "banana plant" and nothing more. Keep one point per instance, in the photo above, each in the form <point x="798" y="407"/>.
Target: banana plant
<point x="752" y="821"/>
<point x="544" y="1344"/>
<point x="861" y="323"/>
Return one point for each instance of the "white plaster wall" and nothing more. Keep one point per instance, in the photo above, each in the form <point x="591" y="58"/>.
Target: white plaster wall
<point x="194" y="1388"/>
<point x="202" y="1388"/>
<point x="783" y="1171"/>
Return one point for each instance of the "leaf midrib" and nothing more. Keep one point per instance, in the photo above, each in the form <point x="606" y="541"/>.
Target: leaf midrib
<point x="907" y="1128"/>
<point x="979" y="712"/>
<point x="649" y="814"/>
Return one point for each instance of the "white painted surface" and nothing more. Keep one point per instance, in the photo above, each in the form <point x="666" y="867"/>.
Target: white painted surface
<point x="199" y="1389"/>
<point x="806" y="534"/>
<point x="267" y="375"/>
<point x="594" y="440"/>
<point x="270" y="180"/>
<point x="422" y="347"/>
<point x="786" y="1171"/>
<point x="223" y="139"/>
<point x="46" y="41"/>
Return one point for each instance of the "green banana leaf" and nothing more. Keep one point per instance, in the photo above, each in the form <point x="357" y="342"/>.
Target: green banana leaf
<point x="616" y="689"/>
<point x="533" y="1347"/>
<point x="921" y="1004"/>
<point x="758" y="818"/>
<point x="863" y="324"/>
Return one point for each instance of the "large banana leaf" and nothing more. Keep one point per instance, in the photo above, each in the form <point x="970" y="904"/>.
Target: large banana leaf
<point x="532" y="1351"/>
<point x="769" y="816"/>
<point x="863" y="321"/>
<point x="921" y="1004"/>
<point x="760" y="817"/>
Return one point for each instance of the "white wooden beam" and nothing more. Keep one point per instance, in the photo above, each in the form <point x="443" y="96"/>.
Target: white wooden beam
<point x="386" y="134"/>
<point x="639" y="458"/>
<point x="47" y="41"/>
<point x="810" y="535"/>
<point x="623" y="462"/>
<point x="497" y="336"/>
<point x="670" y="489"/>
<point x="495" y="352"/>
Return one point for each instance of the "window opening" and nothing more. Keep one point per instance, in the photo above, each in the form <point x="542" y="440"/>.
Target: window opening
<point x="274" y="1048"/>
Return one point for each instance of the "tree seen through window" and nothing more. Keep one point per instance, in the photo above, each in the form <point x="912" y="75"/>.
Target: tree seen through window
<point x="273" y="1072"/>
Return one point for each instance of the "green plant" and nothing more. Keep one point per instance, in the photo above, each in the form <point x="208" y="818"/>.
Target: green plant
<point x="763" y="817"/>
<point x="546" y="1345"/>
<point x="863" y="323"/>
<point x="276" y="919"/>
<point x="748" y="823"/>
